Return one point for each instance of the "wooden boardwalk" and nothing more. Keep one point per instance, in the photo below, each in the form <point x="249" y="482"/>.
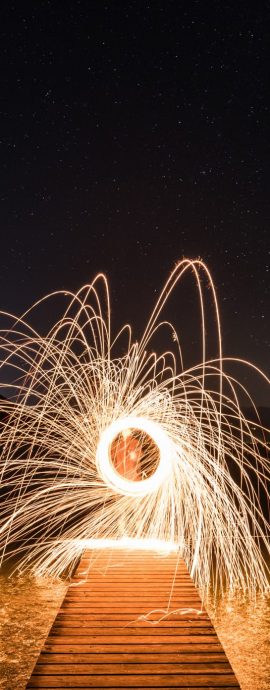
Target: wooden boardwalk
<point x="100" y="640"/>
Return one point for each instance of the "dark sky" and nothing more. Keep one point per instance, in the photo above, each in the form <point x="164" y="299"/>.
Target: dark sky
<point x="133" y="134"/>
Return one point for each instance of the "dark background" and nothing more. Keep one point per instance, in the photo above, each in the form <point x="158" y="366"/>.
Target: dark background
<point x="133" y="134"/>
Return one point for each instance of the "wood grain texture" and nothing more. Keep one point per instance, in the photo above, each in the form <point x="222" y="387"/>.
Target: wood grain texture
<point x="132" y="620"/>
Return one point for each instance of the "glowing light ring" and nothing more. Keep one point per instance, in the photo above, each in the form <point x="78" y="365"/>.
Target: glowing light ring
<point x="110" y="474"/>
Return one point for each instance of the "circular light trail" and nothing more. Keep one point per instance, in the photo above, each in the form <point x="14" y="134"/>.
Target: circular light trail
<point x="106" y="467"/>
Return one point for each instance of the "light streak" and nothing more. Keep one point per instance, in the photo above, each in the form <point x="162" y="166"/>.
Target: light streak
<point x="71" y="395"/>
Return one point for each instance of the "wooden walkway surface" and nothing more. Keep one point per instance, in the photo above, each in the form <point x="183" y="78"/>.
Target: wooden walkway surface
<point x="100" y="639"/>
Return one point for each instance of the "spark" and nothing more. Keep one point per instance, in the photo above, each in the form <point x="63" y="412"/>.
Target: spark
<point x="77" y="412"/>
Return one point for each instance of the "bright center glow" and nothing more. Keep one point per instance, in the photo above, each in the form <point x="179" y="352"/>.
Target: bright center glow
<point x="158" y="545"/>
<point x="120" y="483"/>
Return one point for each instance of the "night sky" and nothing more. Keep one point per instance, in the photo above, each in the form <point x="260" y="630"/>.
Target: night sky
<point x="133" y="134"/>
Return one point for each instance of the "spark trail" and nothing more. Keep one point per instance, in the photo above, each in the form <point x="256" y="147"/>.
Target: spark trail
<point x="72" y="401"/>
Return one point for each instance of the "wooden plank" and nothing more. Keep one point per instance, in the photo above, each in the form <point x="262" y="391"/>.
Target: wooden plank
<point x="124" y="594"/>
<point x="131" y="627"/>
<point x="151" y="603"/>
<point x="127" y="619"/>
<point x="128" y="598"/>
<point x="127" y="680"/>
<point x="102" y="636"/>
<point x="143" y="657"/>
<point x="52" y="646"/>
<point x="80" y="622"/>
<point x="131" y="609"/>
<point x="140" y="668"/>
<point x="142" y="639"/>
<point x="63" y="629"/>
<point x="129" y="591"/>
<point x="190" y="614"/>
